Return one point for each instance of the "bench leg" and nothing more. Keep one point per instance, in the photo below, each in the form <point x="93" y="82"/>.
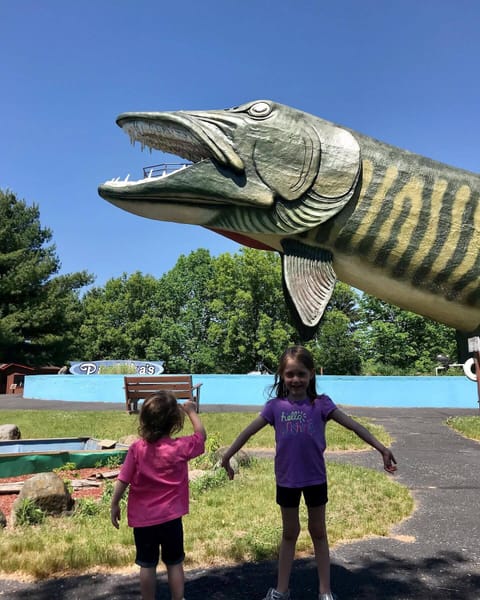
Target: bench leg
<point x="196" y="399"/>
<point x="132" y="406"/>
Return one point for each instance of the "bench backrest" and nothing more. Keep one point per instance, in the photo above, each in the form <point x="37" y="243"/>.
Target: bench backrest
<point x="138" y="388"/>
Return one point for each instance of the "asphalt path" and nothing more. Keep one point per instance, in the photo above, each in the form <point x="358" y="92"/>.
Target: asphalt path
<point x="433" y="555"/>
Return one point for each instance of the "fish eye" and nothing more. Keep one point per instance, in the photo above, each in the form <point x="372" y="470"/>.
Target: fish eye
<point x="260" y="109"/>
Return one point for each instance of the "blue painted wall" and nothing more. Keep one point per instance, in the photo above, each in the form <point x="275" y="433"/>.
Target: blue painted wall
<point x="252" y="390"/>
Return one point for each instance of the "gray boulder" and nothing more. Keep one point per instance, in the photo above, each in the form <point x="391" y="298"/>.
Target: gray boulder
<point x="128" y="439"/>
<point x="241" y="458"/>
<point x="49" y="493"/>
<point x="10" y="432"/>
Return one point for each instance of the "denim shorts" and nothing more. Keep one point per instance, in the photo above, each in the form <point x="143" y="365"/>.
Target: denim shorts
<point x="314" y="495"/>
<point x="167" y="536"/>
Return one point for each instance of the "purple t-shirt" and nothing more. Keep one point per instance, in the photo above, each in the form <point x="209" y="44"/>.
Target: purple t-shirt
<point x="300" y="439"/>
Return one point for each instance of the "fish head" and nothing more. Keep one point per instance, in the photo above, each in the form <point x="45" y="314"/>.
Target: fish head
<point x="261" y="168"/>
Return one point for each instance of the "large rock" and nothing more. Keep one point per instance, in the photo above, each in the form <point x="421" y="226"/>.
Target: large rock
<point x="128" y="439"/>
<point x="242" y="458"/>
<point x="49" y="493"/>
<point x="194" y="474"/>
<point x="9" y="432"/>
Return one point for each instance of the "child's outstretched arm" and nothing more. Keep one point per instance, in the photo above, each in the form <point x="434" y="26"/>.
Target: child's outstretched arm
<point x="118" y="491"/>
<point x="341" y="418"/>
<point x="241" y="440"/>
<point x="191" y="410"/>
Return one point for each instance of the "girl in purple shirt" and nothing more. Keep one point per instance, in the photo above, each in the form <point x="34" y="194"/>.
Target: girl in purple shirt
<point x="299" y="416"/>
<point x="156" y="469"/>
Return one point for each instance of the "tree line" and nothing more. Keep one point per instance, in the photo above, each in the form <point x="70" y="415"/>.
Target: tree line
<point x="223" y="314"/>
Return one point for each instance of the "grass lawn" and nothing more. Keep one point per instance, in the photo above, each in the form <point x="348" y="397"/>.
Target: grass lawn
<point x="466" y="426"/>
<point x="113" y="425"/>
<point x="228" y="522"/>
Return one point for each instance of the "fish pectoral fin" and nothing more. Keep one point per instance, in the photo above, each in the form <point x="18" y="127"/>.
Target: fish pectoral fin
<point x="309" y="280"/>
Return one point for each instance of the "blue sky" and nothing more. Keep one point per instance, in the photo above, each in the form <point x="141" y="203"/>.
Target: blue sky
<point x="405" y="72"/>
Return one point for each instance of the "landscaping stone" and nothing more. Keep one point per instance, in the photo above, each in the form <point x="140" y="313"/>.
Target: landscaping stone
<point x="128" y="439"/>
<point x="194" y="474"/>
<point x="49" y="493"/>
<point x="10" y="432"/>
<point x="242" y="458"/>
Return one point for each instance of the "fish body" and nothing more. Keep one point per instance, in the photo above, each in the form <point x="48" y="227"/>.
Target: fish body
<point x="334" y="203"/>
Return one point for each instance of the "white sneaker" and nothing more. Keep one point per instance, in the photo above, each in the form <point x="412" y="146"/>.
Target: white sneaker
<point x="272" y="594"/>
<point x="328" y="596"/>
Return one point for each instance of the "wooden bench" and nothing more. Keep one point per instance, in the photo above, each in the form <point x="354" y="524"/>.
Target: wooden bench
<point x="138" y="388"/>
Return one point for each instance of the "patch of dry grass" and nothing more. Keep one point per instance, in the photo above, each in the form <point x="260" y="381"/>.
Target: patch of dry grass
<point x="466" y="426"/>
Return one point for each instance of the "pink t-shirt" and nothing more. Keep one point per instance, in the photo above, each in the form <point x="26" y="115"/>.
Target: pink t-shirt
<point x="158" y="477"/>
<point x="300" y="439"/>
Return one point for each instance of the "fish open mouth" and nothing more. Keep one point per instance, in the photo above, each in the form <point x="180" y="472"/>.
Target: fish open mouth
<point x="193" y="137"/>
<point x="151" y="172"/>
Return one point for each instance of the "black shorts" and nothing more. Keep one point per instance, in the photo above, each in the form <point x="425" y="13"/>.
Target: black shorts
<point x="314" y="495"/>
<point x="168" y="536"/>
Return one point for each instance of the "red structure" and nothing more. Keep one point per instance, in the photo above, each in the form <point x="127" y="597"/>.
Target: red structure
<point x="12" y="376"/>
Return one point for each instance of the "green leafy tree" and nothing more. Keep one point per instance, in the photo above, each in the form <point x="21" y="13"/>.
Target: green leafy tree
<point x="142" y="317"/>
<point x="39" y="310"/>
<point x="121" y="319"/>
<point x="395" y="341"/>
<point x="345" y="299"/>
<point x="333" y="347"/>
<point x="186" y="314"/>
<point x="212" y="315"/>
<point x="250" y="322"/>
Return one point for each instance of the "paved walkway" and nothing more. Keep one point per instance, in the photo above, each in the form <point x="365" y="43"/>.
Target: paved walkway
<point x="434" y="555"/>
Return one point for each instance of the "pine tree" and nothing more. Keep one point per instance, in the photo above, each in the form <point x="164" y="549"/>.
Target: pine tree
<point x="39" y="310"/>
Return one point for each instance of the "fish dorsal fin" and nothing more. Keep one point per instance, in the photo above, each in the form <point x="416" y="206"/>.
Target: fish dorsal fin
<point x="309" y="280"/>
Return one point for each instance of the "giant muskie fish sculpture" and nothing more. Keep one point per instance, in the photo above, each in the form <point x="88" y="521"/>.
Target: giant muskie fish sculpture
<point x="333" y="203"/>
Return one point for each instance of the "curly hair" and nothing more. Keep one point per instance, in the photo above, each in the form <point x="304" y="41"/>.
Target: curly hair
<point x="303" y="356"/>
<point x="160" y="416"/>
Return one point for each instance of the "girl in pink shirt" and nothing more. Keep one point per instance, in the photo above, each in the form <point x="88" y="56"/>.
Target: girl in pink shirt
<point x="299" y="416"/>
<point x="156" y="469"/>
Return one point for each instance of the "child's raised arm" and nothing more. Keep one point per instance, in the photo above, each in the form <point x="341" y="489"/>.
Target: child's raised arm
<point x="191" y="409"/>
<point x="241" y="440"/>
<point x="341" y="418"/>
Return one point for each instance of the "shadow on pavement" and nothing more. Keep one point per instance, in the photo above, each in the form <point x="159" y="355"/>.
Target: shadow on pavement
<point x="379" y="577"/>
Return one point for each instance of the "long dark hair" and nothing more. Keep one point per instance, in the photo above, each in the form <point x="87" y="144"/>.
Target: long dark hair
<point x="279" y="390"/>
<point x="160" y="415"/>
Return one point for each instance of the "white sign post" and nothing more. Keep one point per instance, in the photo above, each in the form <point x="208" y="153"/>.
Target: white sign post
<point x="474" y="346"/>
